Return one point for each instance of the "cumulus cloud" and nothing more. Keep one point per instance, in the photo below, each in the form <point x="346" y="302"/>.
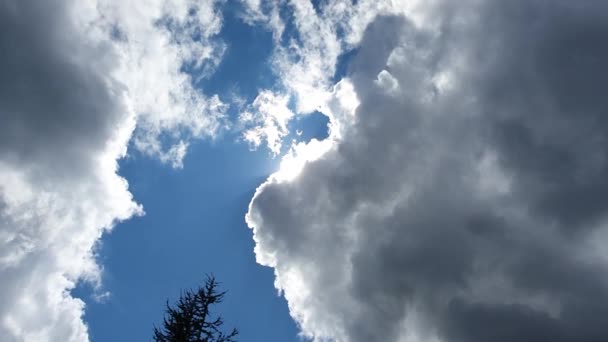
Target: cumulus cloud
<point x="78" y="78"/>
<point x="465" y="198"/>
<point x="310" y="38"/>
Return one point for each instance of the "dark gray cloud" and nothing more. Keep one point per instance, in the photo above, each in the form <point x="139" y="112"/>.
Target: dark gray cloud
<point x="543" y="89"/>
<point x="468" y="200"/>
<point x="63" y="123"/>
<point x="57" y="101"/>
<point x="70" y="98"/>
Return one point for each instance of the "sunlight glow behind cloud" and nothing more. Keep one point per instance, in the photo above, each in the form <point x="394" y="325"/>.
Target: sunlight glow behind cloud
<point x="466" y="151"/>
<point x="474" y="160"/>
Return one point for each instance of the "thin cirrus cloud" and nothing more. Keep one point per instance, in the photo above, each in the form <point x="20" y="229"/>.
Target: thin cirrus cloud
<point x="465" y="198"/>
<point x="79" y="79"/>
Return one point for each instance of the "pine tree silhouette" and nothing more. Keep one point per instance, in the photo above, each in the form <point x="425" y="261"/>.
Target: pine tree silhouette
<point x="191" y="319"/>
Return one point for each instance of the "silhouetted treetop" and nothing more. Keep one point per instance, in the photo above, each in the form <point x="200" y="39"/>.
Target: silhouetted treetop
<point x="191" y="319"/>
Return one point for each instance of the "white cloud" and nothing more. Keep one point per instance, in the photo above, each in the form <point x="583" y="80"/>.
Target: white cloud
<point x="154" y="45"/>
<point x="460" y="201"/>
<point x="79" y="77"/>
<point x="265" y="121"/>
<point x="305" y="61"/>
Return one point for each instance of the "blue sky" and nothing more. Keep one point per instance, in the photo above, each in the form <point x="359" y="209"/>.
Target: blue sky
<point x="193" y="225"/>
<point x="194" y="222"/>
<point x="399" y="171"/>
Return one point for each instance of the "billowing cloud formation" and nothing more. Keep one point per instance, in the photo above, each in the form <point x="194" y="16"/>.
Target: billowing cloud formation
<point x="78" y="77"/>
<point x="310" y="37"/>
<point x="466" y="198"/>
<point x="309" y="40"/>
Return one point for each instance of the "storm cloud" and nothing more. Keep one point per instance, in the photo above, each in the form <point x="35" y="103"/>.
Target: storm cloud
<point x="71" y="96"/>
<point x="466" y="199"/>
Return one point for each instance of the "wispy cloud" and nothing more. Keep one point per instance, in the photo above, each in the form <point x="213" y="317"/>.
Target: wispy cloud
<point x="265" y="121"/>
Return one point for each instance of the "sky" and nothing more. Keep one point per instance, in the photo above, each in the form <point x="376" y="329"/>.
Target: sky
<point x="350" y="171"/>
